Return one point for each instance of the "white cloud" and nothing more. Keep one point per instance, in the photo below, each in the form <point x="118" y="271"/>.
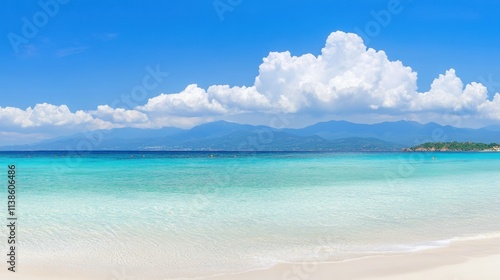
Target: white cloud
<point x="192" y="101"/>
<point x="347" y="80"/>
<point x="48" y="115"/>
<point x="119" y="115"/>
<point x="491" y="109"/>
<point x="239" y="99"/>
<point x="346" y="77"/>
<point x="195" y="105"/>
<point x="447" y="93"/>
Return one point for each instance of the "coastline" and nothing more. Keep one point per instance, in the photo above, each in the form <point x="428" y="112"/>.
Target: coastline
<point x="469" y="259"/>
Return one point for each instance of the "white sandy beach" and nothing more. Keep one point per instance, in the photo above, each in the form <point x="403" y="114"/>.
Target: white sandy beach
<point x="415" y="267"/>
<point x="463" y="260"/>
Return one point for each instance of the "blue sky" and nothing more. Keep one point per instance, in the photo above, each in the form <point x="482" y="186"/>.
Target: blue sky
<point x="89" y="53"/>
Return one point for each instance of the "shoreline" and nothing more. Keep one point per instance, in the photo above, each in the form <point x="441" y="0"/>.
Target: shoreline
<point x="478" y="258"/>
<point x="461" y="259"/>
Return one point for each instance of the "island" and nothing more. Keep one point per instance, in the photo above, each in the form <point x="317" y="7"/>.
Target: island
<point x="454" y="147"/>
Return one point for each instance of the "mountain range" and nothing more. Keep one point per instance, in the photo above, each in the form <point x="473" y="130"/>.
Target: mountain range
<point x="227" y="136"/>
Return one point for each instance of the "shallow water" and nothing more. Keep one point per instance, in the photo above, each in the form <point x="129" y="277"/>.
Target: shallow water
<point x="192" y="214"/>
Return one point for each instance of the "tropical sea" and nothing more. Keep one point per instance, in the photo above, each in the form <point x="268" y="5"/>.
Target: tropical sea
<point x="187" y="214"/>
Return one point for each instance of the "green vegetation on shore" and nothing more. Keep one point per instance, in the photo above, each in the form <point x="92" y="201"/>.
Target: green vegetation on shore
<point x="454" y="147"/>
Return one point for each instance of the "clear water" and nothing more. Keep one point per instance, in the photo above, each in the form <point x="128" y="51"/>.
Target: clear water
<point x="174" y="214"/>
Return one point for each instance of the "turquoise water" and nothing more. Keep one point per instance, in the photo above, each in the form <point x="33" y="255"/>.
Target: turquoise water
<point x="171" y="214"/>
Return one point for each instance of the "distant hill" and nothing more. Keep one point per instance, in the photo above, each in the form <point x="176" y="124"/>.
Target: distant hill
<point x="407" y="133"/>
<point x="455" y="147"/>
<point x="221" y="135"/>
<point x="493" y="127"/>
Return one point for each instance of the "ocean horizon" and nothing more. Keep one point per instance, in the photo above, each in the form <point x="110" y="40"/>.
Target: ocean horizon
<point x="173" y="214"/>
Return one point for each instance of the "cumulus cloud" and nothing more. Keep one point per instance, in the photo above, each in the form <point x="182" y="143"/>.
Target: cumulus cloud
<point x="49" y="115"/>
<point x="119" y="115"/>
<point x="239" y="99"/>
<point x="447" y="93"/>
<point x="491" y="109"/>
<point x="192" y="101"/>
<point x="195" y="105"/>
<point x="345" y="79"/>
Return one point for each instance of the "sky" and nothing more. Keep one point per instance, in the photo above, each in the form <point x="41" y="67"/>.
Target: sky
<point x="79" y="65"/>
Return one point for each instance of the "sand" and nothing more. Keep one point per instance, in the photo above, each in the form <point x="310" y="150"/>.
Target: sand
<point x="463" y="260"/>
<point x="475" y="260"/>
